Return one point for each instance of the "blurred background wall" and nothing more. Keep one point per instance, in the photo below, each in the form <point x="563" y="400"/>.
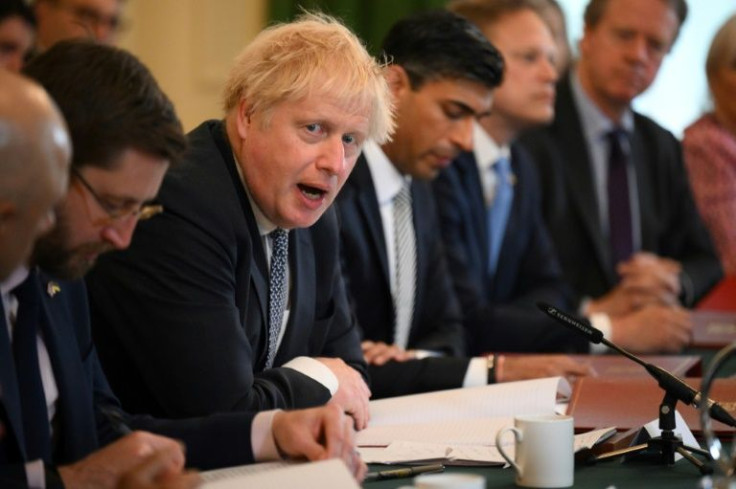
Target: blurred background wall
<point x="189" y="45"/>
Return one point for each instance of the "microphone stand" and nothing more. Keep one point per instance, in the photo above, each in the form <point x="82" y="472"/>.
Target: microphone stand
<point x="666" y="444"/>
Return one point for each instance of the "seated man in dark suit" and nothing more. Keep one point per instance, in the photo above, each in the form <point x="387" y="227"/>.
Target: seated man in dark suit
<point x="614" y="189"/>
<point x="441" y="75"/>
<point x="56" y="408"/>
<point x="501" y="258"/>
<point x="233" y="299"/>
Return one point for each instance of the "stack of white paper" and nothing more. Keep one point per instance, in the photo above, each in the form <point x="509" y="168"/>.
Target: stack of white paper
<point x="455" y="426"/>
<point x="329" y="474"/>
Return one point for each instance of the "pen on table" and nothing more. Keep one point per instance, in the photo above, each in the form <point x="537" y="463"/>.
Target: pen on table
<point x="115" y="417"/>
<point x="406" y="472"/>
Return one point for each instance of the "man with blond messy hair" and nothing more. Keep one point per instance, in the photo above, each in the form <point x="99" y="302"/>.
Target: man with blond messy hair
<point x="232" y="299"/>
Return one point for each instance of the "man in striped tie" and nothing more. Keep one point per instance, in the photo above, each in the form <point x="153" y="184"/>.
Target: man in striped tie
<point x="442" y="75"/>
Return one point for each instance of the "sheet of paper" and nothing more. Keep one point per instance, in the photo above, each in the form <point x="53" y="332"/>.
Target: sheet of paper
<point x="403" y="452"/>
<point x="242" y="470"/>
<point x="587" y="440"/>
<point x="506" y="399"/>
<point x="328" y="474"/>
<point x="413" y="452"/>
<point x="458" y="432"/>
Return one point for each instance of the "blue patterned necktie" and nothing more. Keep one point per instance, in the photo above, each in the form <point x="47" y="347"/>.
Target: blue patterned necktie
<point x="277" y="289"/>
<point x="25" y="352"/>
<point x="406" y="264"/>
<point x="619" y="205"/>
<point x="498" y="212"/>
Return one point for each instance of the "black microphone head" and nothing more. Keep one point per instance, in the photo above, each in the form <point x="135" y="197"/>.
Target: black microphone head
<point x="582" y="326"/>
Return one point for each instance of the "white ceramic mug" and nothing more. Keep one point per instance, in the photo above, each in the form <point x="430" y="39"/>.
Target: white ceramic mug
<point x="544" y="450"/>
<point x="448" y="481"/>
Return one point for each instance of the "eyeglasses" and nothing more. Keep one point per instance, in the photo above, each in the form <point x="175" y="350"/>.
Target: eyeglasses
<point x="90" y="17"/>
<point x="117" y="213"/>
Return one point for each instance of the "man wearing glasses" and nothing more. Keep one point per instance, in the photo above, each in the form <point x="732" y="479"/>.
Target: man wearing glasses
<point x="61" y="424"/>
<point x="69" y="19"/>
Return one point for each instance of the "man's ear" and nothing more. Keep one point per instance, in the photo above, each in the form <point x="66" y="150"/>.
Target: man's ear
<point x="398" y="80"/>
<point x="243" y="118"/>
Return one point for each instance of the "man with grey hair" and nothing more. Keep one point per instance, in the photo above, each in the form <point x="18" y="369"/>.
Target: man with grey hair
<point x="615" y="192"/>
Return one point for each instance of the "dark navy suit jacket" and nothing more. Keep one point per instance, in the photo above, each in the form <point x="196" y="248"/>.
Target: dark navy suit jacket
<point x="500" y="309"/>
<point x="180" y="318"/>
<point x="79" y="426"/>
<point x="436" y="324"/>
<point x="670" y="223"/>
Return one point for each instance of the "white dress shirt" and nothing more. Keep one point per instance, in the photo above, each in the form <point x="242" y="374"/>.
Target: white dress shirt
<point x="382" y="170"/>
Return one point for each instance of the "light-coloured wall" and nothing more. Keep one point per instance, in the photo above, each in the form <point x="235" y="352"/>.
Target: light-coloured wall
<point x="679" y="94"/>
<point x="189" y="46"/>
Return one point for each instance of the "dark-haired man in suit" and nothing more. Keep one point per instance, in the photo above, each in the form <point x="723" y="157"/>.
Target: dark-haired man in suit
<point x="614" y="189"/>
<point x="442" y="75"/>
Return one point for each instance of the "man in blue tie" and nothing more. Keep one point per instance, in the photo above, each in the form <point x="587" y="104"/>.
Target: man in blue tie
<point x="499" y="296"/>
<point x="501" y="258"/>
<point x="442" y="75"/>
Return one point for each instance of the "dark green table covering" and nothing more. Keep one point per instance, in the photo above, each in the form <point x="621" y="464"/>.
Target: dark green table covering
<point x="634" y="474"/>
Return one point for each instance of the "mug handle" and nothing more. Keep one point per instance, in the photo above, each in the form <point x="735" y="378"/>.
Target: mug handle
<point x="519" y="437"/>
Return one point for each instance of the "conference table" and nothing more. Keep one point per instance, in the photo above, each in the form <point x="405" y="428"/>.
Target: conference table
<point x="639" y="472"/>
<point x="633" y="474"/>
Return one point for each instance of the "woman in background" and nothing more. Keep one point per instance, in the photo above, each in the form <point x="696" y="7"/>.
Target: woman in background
<point x="710" y="147"/>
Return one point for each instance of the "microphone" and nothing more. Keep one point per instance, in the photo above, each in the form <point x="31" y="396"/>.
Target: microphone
<point x="665" y="379"/>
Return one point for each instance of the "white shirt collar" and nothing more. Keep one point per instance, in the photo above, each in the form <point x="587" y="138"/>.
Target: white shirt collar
<point x="486" y="150"/>
<point x="596" y="124"/>
<point x="383" y="171"/>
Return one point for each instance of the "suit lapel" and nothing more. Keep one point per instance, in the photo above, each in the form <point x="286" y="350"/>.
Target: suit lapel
<point x="367" y="203"/>
<point x="579" y="174"/>
<point x="467" y="170"/>
<point x="424" y="236"/>
<point x="9" y="387"/>
<point x="512" y="231"/>
<point x="259" y="272"/>
<point x="74" y="423"/>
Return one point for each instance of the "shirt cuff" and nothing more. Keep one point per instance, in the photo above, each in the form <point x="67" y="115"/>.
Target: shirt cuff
<point x="422" y="354"/>
<point x="35" y="475"/>
<point x="315" y="370"/>
<point x="477" y="373"/>
<point x="602" y="322"/>
<point x="261" y="437"/>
